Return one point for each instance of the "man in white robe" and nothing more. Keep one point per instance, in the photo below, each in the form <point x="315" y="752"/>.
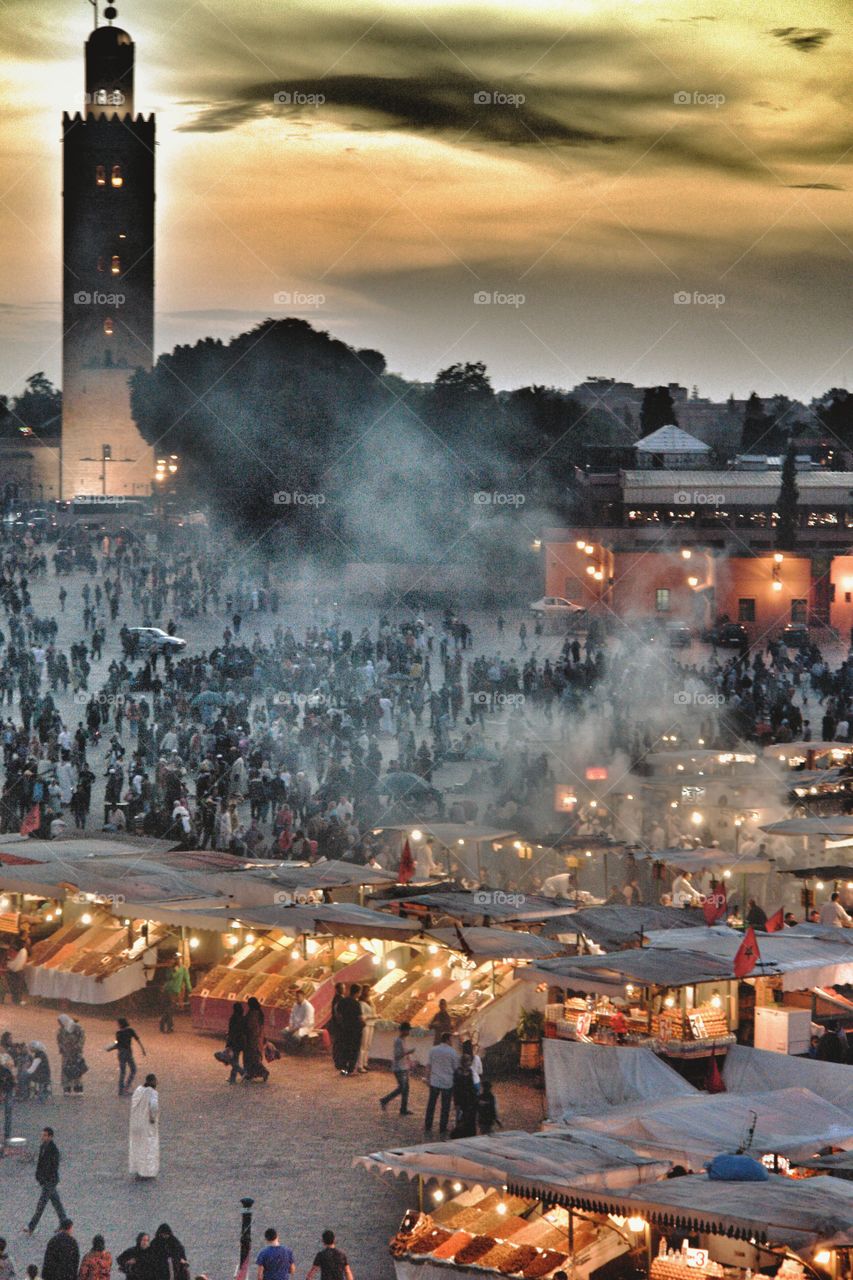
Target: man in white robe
<point x="144" y="1156"/>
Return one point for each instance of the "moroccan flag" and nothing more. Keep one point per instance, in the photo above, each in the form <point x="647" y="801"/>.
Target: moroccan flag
<point x="407" y="865"/>
<point x="776" y="921"/>
<point x="715" y="906"/>
<point x="32" y="820"/>
<point x="747" y="955"/>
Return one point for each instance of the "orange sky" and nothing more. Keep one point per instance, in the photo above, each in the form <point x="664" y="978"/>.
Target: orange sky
<point x="639" y="150"/>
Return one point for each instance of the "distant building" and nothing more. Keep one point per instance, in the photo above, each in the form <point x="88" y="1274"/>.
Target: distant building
<point x="671" y="449"/>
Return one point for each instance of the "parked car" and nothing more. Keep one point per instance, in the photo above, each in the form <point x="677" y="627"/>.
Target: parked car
<point x="155" y="640"/>
<point x="678" y="635"/>
<point x="796" y="635"/>
<point x="557" y="607"/>
<point x="728" y="635"/>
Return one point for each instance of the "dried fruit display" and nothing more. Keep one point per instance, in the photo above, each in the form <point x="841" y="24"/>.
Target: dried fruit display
<point x="476" y="1249"/>
<point x="543" y="1264"/>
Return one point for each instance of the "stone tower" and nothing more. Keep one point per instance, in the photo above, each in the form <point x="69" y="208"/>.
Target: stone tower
<point x="108" y="285"/>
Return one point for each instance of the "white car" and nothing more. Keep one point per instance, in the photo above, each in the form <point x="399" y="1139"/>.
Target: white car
<point x="556" y="606"/>
<point x="154" y="639"/>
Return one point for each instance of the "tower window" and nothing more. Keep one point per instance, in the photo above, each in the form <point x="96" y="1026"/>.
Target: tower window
<point x="115" y="176"/>
<point x="115" y="265"/>
<point x="100" y="175"/>
<point x="108" y="326"/>
<point x="102" y="266"/>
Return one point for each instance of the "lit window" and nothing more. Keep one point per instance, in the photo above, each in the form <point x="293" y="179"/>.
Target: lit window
<point x="799" y="610"/>
<point x="115" y="265"/>
<point x="108" y="327"/>
<point x="662" y="600"/>
<point x="115" y="176"/>
<point x="100" y="175"/>
<point x="746" y="610"/>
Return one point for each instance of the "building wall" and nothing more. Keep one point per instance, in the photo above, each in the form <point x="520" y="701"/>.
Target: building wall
<point x="566" y="575"/>
<point x="751" y="578"/>
<point x="640" y="576"/>
<point x="33" y="467"/>
<point x="841" y="594"/>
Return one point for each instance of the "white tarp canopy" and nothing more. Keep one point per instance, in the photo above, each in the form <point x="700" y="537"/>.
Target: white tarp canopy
<point x="803" y="959"/>
<point x="802" y="1214"/>
<point x="585" y="1079"/>
<point x="701" y="860"/>
<point x="759" y="1071"/>
<point x="497" y="944"/>
<point x="343" y="919"/>
<point x="531" y="1164"/>
<point x="690" y="1130"/>
<point x="834" y="828"/>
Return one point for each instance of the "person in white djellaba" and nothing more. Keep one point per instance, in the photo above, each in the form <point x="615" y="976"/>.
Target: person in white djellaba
<point x="144" y="1157"/>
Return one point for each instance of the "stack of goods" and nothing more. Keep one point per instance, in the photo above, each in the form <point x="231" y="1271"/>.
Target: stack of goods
<point x="96" y="950"/>
<point x="673" y="1267"/>
<point x="703" y="1023"/>
<point x="486" y="1230"/>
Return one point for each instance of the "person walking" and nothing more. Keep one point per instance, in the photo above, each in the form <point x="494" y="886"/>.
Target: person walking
<point x="177" y="982"/>
<point x="330" y="1263"/>
<point x="97" y="1263"/>
<point x="47" y="1176"/>
<point x="401" y="1065"/>
<point x="169" y="1255"/>
<point x="8" y="1086"/>
<point x="275" y="1261"/>
<point x="335" y="1030"/>
<point x="62" y="1255"/>
<point x="442" y="1066"/>
<point x="235" y="1040"/>
<point x="125" y="1036"/>
<point x="70" y="1039"/>
<point x="144" y="1146"/>
<point x="253" y="1054"/>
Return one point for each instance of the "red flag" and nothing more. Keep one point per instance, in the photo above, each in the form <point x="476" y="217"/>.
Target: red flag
<point x="747" y="955"/>
<point x="32" y="820"/>
<point x="776" y="921"/>
<point x="714" y="1082"/>
<point x="715" y="906"/>
<point x="407" y="865"/>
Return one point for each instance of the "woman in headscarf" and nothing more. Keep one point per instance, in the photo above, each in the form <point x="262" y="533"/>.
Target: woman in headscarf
<point x="139" y="1262"/>
<point x="144" y="1150"/>
<point x="235" y="1040"/>
<point x="465" y="1099"/>
<point x="170" y="1256"/>
<point x="253" y="1054"/>
<point x="37" y="1072"/>
<point x="70" y="1039"/>
<point x="97" y="1263"/>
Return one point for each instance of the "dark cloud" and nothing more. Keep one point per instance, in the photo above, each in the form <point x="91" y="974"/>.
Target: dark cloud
<point x="814" y="186"/>
<point x="769" y="106"/>
<point x="698" y="17"/>
<point x="803" y="39"/>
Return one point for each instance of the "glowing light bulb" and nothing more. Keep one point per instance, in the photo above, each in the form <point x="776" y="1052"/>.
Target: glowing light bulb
<point x="669" y="1001"/>
<point x="823" y="1257"/>
<point x="466" y="985"/>
<point x="438" y="1196"/>
<point x="376" y="960"/>
<point x="85" y="918"/>
<point x="417" y="835"/>
<point x="294" y="955"/>
<point x="193" y="943"/>
<point x="716" y="1001"/>
<point x="580" y="544"/>
<point x="4" y="904"/>
<point x="389" y="964"/>
<point x="685" y="554"/>
<point x="636" y="1224"/>
<point x="432" y="948"/>
<point x="457" y="1187"/>
<point x="501" y="1208"/>
<point x="436" y="973"/>
<point x="231" y="940"/>
<point x="250" y="937"/>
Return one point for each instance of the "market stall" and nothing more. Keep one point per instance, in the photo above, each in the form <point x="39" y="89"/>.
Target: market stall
<point x="94" y="958"/>
<point x="500" y="1204"/>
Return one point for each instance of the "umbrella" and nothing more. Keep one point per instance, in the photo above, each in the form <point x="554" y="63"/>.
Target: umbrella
<point x="208" y="697"/>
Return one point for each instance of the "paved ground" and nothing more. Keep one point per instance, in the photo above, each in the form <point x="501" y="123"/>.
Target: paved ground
<point x="289" y="1144"/>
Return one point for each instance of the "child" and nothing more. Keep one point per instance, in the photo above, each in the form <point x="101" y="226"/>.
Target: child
<point x="487" y="1111"/>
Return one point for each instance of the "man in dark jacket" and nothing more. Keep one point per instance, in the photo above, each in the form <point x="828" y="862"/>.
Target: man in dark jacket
<point x="62" y="1255"/>
<point x="47" y="1176"/>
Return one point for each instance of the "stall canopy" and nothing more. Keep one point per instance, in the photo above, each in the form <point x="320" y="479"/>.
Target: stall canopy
<point x="266" y="883"/>
<point x="496" y="944"/>
<point x="494" y="903"/>
<point x="692" y="1129"/>
<point x="609" y="974"/>
<point x="802" y="1214"/>
<point x="344" y="919"/>
<point x="833" y="828"/>
<point x="139" y="878"/>
<point x="583" y="1079"/>
<point x="615" y="926"/>
<point x="700" y="860"/>
<point x="533" y="1164"/>
<point x="804" y="957"/>
<point x="834" y="871"/>
<point x="759" y="1071"/>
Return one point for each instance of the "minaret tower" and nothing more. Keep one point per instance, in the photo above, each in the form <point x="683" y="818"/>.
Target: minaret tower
<point x="108" y="285"/>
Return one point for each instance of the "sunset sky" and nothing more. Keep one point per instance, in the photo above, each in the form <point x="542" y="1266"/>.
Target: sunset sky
<point x="399" y="197"/>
